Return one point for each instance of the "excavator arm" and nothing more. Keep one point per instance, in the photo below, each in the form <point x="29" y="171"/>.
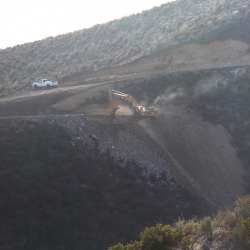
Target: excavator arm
<point x="138" y="110"/>
<point x="114" y="107"/>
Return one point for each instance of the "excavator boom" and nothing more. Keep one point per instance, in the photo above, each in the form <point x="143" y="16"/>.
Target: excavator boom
<point x="138" y="110"/>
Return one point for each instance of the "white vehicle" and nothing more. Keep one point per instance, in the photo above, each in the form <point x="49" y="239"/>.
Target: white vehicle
<point x="44" y="83"/>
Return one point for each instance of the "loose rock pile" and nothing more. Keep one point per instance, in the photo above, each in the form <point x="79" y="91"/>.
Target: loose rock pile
<point x="124" y="145"/>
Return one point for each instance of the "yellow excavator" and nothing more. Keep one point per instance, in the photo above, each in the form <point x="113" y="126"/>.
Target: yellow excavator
<point x="138" y="110"/>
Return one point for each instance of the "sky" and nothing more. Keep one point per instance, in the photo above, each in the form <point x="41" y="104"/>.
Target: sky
<point x="23" y="21"/>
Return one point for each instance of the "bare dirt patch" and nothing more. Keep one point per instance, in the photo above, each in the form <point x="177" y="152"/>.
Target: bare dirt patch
<point x="188" y="57"/>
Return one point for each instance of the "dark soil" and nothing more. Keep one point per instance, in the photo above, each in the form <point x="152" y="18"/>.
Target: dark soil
<point x="58" y="196"/>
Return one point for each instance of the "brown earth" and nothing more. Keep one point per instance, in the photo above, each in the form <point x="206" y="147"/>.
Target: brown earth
<point x="189" y="57"/>
<point x="200" y="153"/>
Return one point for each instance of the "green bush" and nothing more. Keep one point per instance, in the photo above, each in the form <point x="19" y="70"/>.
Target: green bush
<point x="242" y="208"/>
<point x="246" y="224"/>
<point x="229" y="226"/>
<point x="159" y="237"/>
<point x="206" y="226"/>
<point x="132" y="246"/>
<point x="225" y="219"/>
<point x="119" y="246"/>
<point x="238" y="235"/>
<point x="186" y="241"/>
<point x="187" y="227"/>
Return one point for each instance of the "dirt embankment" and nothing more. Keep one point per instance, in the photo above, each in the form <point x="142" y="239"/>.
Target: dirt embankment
<point x="189" y="57"/>
<point x="199" y="153"/>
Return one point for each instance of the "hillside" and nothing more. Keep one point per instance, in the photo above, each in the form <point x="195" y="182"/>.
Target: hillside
<point x="189" y="57"/>
<point x="122" y="41"/>
<point x="74" y="177"/>
<point x="60" y="191"/>
<point x="128" y="171"/>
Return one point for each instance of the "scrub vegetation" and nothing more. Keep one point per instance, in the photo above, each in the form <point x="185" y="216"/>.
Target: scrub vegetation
<point x="228" y="229"/>
<point x="122" y="41"/>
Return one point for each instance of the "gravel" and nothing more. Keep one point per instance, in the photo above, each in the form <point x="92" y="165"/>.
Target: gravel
<point x="124" y="145"/>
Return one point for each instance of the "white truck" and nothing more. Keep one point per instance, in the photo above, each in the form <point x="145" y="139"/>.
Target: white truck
<point x="44" y="83"/>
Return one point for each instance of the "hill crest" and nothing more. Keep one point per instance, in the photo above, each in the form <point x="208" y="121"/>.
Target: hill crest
<point x="122" y="41"/>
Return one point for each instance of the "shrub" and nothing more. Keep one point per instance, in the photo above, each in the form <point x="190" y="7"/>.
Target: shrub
<point x="238" y="235"/>
<point x="246" y="224"/>
<point x="230" y="226"/>
<point x="187" y="227"/>
<point x="119" y="246"/>
<point x="242" y="208"/>
<point x="206" y="226"/>
<point x="225" y="219"/>
<point x="159" y="237"/>
<point x="186" y="241"/>
<point x="132" y="246"/>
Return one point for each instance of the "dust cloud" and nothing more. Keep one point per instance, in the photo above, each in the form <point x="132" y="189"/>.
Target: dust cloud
<point x="169" y="96"/>
<point x="202" y="86"/>
<point x="207" y="84"/>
